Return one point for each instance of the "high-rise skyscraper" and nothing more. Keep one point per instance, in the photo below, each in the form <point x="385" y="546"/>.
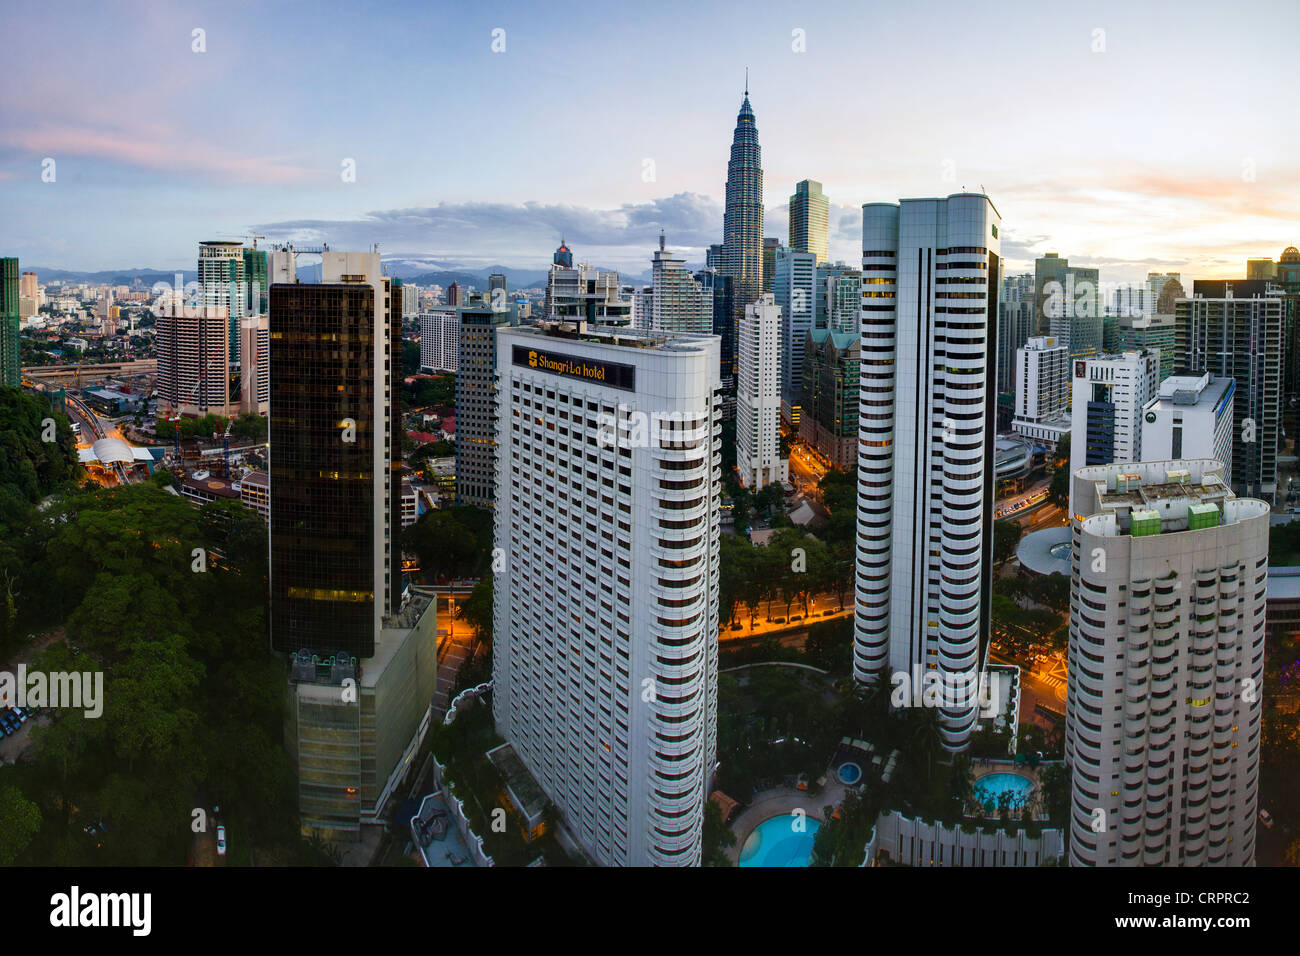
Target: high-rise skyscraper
<point x="758" y="397"/>
<point x="255" y="279"/>
<point x="810" y="220"/>
<point x="10" y="348"/>
<point x="718" y="287"/>
<point x="222" y="284"/>
<point x="335" y="425"/>
<point x="771" y="248"/>
<point x="497" y="292"/>
<point x="1135" y="333"/>
<point x="1168" y="574"/>
<point x="476" y="405"/>
<point x="927" y="413"/>
<point x="453" y="294"/>
<point x="584" y="293"/>
<point x="794" y="289"/>
<point x="1015" y="326"/>
<point x="605" y="646"/>
<point x="1042" y="391"/>
<point x="440" y="339"/>
<point x="679" y="303"/>
<point x="1234" y="329"/>
<point x="1067" y="304"/>
<point x="742" y="222"/>
<point x="192" y="344"/>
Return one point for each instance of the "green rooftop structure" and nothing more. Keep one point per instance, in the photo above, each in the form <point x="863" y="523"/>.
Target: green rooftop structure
<point x="1202" y="516"/>
<point x="1144" y="523"/>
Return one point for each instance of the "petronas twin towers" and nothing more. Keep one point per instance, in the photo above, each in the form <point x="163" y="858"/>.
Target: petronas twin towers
<point x="742" y="222"/>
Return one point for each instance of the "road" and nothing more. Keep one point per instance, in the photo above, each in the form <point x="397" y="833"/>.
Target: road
<point x="807" y="468"/>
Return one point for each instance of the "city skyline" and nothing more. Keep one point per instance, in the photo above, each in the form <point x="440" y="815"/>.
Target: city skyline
<point x="1137" y="199"/>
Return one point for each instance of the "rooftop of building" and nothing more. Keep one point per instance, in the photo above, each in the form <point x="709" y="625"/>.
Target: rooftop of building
<point x="1190" y="390"/>
<point x="256" y="479"/>
<point x="615" y="335"/>
<point x="524" y="791"/>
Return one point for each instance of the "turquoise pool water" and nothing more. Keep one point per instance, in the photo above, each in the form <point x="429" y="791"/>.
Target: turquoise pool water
<point x="775" y="842"/>
<point x="849" y="773"/>
<point x="989" y="788"/>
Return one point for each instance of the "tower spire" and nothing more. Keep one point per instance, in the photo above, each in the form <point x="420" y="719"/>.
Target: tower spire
<point x="746" y="81"/>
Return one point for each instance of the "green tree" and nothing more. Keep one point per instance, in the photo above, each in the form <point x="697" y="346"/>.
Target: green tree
<point x="20" y="819"/>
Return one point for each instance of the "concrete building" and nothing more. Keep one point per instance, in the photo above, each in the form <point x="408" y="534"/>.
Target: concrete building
<point x="1110" y="392"/>
<point x="476" y="406"/>
<point x="255" y="369"/>
<point x="1191" y="417"/>
<point x="831" y="368"/>
<point x="679" y="303"/>
<point x="605" y="643"/>
<point x="1167" y="598"/>
<point x="927" y="421"/>
<point x="718" y="287"/>
<point x="810" y="220"/>
<point x="440" y="339"/>
<point x="192" y="345"/>
<point x="353" y="745"/>
<point x="1042" y="391"/>
<point x="1235" y="330"/>
<point x="255" y="493"/>
<point x="582" y="293"/>
<point x="758" y="398"/>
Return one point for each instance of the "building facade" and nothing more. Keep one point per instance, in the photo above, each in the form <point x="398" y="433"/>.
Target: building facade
<point x="605" y="641"/>
<point x="476" y="406"/>
<point x="1042" y="391"/>
<point x="1167" y="607"/>
<point x="794" y="290"/>
<point x="831" y="367"/>
<point x="679" y="303"/>
<point x="1110" y="392"/>
<point x="758" y="398"/>
<point x="440" y="339"/>
<point x="192" y="345"/>
<point x="810" y="220"/>
<point x="927" y="414"/>
<point x="1235" y="330"/>
<point x="10" y="347"/>
<point x="335" y="427"/>
<point x="1190" y="417"/>
<point x="742" y="221"/>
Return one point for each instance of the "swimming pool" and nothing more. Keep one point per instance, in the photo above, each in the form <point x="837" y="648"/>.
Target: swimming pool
<point x="849" y="773"/>
<point x="775" y="842"/>
<point x="990" y="788"/>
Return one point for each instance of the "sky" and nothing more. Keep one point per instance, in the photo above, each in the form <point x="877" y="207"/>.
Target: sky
<point x="1134" y="137"/>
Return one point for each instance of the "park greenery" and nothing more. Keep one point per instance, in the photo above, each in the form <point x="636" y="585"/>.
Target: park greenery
<point x="451" y="543"/>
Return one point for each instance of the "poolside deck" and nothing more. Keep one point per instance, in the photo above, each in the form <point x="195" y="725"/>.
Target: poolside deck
<point x="777" y="802"/>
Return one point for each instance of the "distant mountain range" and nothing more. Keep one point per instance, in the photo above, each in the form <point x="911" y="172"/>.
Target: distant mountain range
<point x="417" y="269"/>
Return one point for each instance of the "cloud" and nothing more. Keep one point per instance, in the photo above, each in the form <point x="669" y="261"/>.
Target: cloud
<point x="521" y="232"/>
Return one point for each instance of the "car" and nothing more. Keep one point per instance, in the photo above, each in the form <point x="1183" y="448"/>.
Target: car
<point x="221" y="841"/>
<point x="1266" y="818"/>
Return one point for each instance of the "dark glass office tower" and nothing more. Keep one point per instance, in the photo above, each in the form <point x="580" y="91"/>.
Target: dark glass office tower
<point x="10" y="359"/>
<point x="255" y="300"/>
<point x="334" y="419"/>
<point x="742" y="223"/>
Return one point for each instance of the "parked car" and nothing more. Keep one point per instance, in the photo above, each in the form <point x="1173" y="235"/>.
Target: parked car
<point x="221" y="841"/>
<point x="1266" y="818"/>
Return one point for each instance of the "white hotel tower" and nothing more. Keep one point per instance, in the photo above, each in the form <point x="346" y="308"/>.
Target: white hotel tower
<point x="605" y="658"/>
<point x="928" y="399"/>
<point x="758" y="397"/>
<point x="1166" y="643"/>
